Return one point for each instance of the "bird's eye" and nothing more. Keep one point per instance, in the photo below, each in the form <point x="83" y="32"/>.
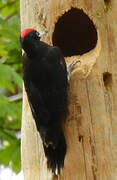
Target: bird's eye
<point x="38" y="34"/>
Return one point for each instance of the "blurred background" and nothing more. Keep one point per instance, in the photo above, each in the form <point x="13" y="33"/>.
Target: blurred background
<point x="10" y="87"/>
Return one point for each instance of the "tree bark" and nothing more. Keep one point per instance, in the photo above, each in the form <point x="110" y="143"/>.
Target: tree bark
<point x="91" y="126"/>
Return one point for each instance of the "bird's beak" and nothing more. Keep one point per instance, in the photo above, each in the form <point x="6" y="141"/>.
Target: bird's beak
<point x="42" y="33"/>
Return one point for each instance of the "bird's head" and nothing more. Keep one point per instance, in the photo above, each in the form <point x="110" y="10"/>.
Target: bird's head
<point x="31" y="34"/>
<point x="29" y="37"/>
<point x="27" y="33"/>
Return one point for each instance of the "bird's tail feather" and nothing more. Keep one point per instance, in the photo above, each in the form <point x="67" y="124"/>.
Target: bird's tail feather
<point x="56" y="155"/>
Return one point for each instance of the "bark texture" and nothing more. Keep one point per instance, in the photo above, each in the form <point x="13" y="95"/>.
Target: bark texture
<point x="91" y="126"/>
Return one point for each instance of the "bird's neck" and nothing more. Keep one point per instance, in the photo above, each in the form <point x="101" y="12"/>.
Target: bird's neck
<point x="31" y="48"/>
<point x="35" y="50"/>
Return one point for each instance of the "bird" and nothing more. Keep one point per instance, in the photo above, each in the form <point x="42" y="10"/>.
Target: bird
<point x="46" y="80"/>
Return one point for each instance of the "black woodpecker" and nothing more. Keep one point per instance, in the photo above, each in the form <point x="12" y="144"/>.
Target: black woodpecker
<point x="46" y="81"/>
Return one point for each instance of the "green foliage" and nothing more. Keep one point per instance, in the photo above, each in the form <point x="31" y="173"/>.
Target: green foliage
<point x="8" y="77"/>
<point x="8" y="8"/>
<point x="10" y="154"/>
<point x="10" y="84"/>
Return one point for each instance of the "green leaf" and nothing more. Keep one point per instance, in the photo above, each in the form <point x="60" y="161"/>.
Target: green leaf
<point x="16" y="159"/>
<point x="8" y="77"/>
<point x="10" y="9"/>
<point x="10" y="155"/>
<point x="12" y="109"/>
<point x="7" y="135"/>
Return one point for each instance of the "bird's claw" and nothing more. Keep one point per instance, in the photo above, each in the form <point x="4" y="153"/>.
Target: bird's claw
<point x="69" y="68"/>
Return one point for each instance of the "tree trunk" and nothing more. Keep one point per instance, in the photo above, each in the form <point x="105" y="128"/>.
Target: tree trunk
<point x="85" y="31"/>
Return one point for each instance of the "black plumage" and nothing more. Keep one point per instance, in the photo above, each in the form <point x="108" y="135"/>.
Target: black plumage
<point x="46" y="85"/>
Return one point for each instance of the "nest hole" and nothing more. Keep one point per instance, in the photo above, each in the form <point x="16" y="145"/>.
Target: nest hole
<point x="75" y="33"/>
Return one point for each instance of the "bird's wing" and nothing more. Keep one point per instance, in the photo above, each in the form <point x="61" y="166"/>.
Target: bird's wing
<point x="61" y="59"/>
<point x="55" y="55"/>
<point x="39" y="111"/>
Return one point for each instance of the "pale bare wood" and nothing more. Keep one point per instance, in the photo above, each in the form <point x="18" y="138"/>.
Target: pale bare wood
<point x="91" y="127"/>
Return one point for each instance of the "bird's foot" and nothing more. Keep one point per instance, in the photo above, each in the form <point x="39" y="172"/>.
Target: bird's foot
<point x="70" y="67"/>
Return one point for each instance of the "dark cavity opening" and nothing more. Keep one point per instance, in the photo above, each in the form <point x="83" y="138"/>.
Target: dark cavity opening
<point x="107" y="78"/>
<point x="74" y="33"/>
